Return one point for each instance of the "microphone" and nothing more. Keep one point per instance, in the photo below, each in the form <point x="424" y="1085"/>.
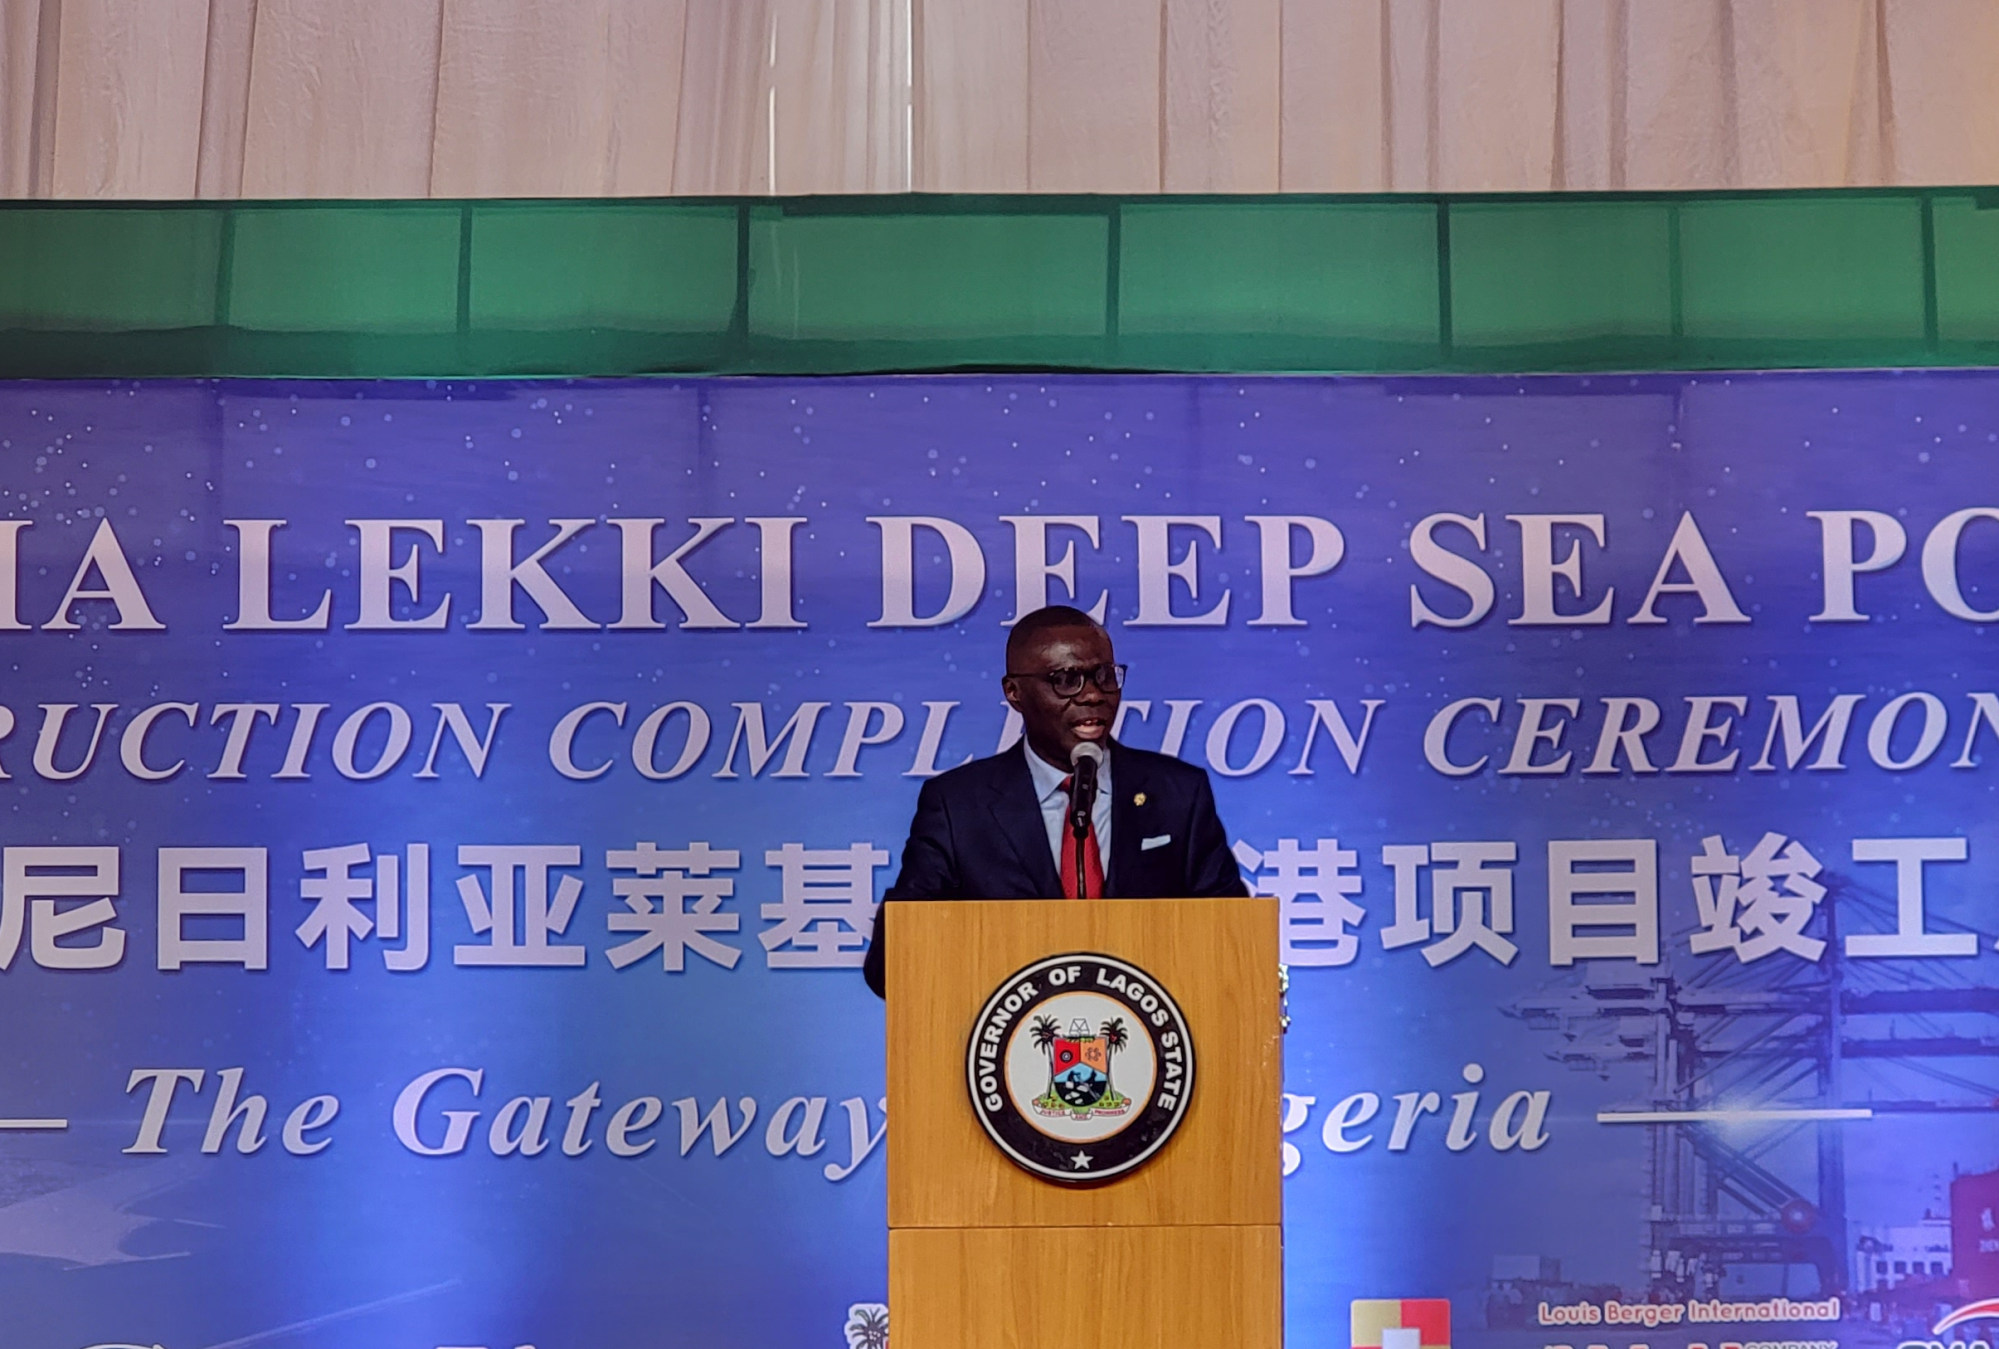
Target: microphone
<point x="1084" y="761"/>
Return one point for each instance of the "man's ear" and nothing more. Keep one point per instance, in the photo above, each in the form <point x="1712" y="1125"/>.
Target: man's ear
<point x="1011" y="688"/>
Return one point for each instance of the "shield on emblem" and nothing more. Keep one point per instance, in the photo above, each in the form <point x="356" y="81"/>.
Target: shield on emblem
<point x="1080" y="1077"/>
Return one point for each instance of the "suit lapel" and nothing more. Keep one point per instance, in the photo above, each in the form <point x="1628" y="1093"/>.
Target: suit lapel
<point x="1128" y="822"/>
<point x="1016" y="811"/>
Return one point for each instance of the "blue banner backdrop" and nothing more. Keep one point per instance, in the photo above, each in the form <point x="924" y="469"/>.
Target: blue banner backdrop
<point x="443" y="821"/>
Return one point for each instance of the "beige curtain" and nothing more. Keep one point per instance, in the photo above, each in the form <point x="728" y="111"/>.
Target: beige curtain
<point x="413" y="98"/>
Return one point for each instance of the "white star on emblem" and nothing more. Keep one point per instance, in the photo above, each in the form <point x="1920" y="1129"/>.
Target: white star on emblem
<point x="1081" y="1161"/>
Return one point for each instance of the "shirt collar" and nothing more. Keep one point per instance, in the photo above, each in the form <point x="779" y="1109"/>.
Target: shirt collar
<point x="1048" y="778"/>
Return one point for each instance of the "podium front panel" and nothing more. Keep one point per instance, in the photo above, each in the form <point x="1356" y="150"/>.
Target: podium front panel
<point x="1217" y="958"/>
<point x="1109" y="1288"/>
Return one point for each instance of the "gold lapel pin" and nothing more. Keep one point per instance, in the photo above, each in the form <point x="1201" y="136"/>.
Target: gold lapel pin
<point x="1138" y="800"/>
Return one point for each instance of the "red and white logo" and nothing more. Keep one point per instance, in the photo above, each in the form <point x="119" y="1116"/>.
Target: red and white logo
<point x="1987" y="1308"/>
<point x="1401" y="1323"/>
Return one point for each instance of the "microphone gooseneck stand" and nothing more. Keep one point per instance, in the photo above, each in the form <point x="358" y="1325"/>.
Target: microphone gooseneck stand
<point x="1082" y="806"/>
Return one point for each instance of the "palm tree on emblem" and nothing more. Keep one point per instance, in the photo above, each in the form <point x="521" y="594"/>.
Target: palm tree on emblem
<point x="1115" y="1040"/>
<point x="867" y="1326"/>
<point x="1044" y="1032"/>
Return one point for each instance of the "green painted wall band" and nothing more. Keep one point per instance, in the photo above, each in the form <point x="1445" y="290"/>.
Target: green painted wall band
<point x="834" y="285"/>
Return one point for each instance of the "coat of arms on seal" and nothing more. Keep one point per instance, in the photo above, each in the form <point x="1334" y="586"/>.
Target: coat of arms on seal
<point x="1080" y="1067"/>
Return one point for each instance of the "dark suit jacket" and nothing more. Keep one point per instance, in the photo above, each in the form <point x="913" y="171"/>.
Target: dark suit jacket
<point x="979" y="834"/>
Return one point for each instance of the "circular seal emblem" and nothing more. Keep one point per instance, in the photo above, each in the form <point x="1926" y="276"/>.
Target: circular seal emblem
<point x="1080" y="1067"/>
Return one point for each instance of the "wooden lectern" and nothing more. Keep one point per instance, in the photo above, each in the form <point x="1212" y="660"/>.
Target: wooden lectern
<point x="1184" y="1250"/>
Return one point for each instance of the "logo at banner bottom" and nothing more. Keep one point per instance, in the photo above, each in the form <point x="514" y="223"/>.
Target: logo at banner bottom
<point x="1401" y="1323"/>
<point x="1080" y="1067"/>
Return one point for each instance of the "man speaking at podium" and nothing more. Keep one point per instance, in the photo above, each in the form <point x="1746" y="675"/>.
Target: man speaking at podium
<point x="1067" y="812"/>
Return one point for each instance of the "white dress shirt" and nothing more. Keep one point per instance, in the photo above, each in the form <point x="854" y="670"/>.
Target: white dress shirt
<point x="1055" y="805"/>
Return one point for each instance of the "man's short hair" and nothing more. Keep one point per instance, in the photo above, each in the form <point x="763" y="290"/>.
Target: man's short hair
<point x="1046" y="619"/>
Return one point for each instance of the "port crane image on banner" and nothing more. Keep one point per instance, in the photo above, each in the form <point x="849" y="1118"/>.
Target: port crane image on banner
<point x="1757" y="1073"/>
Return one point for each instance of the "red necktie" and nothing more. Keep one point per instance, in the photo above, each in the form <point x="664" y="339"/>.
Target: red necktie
<point x="1093" y="861"/>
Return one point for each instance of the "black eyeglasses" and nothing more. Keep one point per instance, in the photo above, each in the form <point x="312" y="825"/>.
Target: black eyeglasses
<point x="1068" y="683"/>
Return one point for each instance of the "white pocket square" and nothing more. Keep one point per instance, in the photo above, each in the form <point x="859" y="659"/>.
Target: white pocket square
<point x="1160" y="841"/>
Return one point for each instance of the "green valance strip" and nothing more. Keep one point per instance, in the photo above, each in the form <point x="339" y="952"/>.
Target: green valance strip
<point x="824" y="285"/>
